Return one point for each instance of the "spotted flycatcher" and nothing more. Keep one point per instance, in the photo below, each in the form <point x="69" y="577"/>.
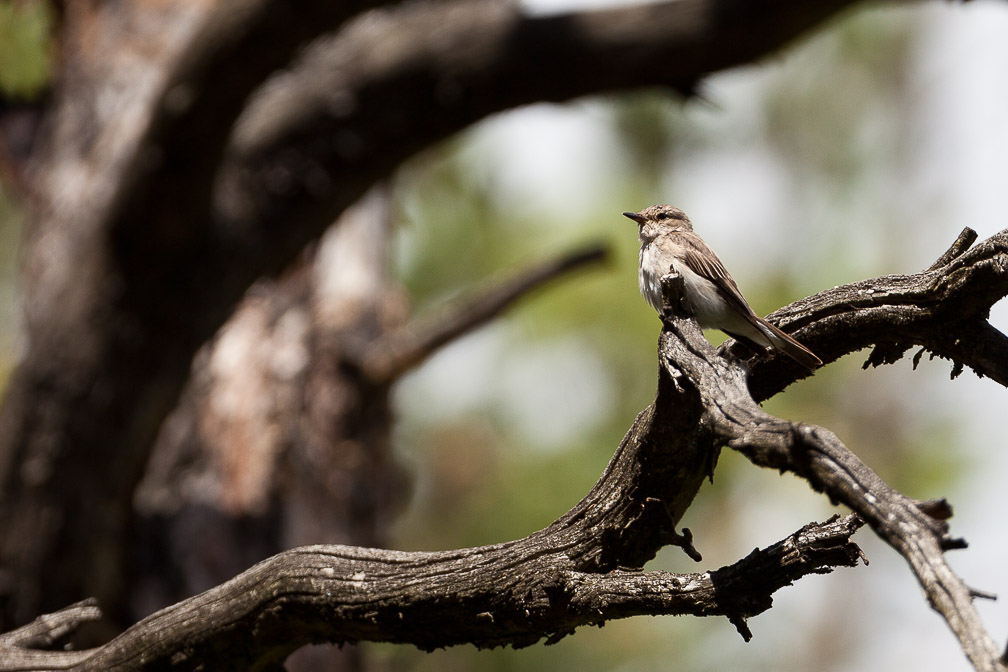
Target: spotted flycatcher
<point x="668" y="241"/>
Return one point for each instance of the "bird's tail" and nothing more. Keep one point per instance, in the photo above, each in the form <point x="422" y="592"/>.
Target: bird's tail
<point x="790" y="346"/>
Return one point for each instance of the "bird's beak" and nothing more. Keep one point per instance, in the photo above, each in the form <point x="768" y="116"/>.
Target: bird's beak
<point x="635" y="216"/>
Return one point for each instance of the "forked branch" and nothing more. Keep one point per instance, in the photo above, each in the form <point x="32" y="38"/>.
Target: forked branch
<point x="573" y="572"/>
<point x="942" y="309"/>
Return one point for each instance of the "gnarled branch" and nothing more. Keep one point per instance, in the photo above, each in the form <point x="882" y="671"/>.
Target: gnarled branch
<point x="941" y="309"/>
<point x="569" y="573"/>
<point x="515" y="593"/>
<point x="24" y="648"/>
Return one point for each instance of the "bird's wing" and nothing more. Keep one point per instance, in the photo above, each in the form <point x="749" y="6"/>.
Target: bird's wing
<point x="702" y="261"/>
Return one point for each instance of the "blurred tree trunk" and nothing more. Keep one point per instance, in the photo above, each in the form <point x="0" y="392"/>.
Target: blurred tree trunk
<point x="276" y="443"/>
<point x="97" y="377"/>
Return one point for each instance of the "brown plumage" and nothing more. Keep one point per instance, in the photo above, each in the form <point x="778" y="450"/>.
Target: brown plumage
<point x="668" y="241"/>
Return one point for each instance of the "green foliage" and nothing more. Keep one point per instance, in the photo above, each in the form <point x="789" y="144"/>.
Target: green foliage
<point x="10" y="230"/>
<point x="25" y="59"/>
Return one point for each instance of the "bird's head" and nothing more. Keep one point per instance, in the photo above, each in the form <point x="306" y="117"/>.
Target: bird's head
<point x="659" y="219"/>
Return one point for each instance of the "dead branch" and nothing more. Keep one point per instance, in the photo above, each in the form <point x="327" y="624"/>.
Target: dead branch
<point x="966" y="238"/>
<point x="943" y="309"/>
<point x="938" y="309"/>
<point x="515" y="593"/>
<point x="818" y="456"/>
<point x="24" y="648"/>
<point x="484" y="596"/>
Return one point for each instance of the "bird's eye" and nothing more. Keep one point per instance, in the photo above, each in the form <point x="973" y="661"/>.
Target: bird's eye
<point x="662" y="215"/>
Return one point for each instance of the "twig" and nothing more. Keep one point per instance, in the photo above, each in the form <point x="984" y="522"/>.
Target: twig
<point x="21" y="649"/>
<point x="405" y="348"/>
<point x="47" y="629"/>
<point x="966" y="238"/>
<point x="742" y="589"/>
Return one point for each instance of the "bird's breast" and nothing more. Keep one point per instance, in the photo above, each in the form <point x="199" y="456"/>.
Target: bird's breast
<point x="701" y="295"/>
<point x="652" y="268"/>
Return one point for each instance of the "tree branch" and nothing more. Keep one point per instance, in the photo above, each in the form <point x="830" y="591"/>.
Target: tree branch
<point x="944" y="310"/>
<point x="543" y="585"/>
<point x="390" y="357"/>
<point x="20" y="648"/>
<point x="890" y="353"/>
<point x="514" y="593"/>
<point x="818" y="456"/>
<point x="168" y="180"/>
<point x="930" y="308"/>
<point x="738" y="591"/>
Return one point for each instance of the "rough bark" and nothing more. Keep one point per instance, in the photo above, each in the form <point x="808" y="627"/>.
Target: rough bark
<point x="515" y="593"/>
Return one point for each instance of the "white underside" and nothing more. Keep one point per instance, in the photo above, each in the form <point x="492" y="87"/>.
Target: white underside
<point x="710" y="310"/>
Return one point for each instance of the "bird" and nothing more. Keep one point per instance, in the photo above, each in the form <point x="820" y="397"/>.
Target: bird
<point x="669" y="242"/>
